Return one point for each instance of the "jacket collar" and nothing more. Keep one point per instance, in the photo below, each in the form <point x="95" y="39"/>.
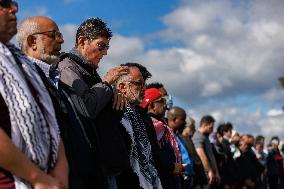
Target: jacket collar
<point x="89" y="66"/>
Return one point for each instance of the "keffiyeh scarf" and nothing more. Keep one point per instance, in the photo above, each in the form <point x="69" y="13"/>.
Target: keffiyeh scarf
<point x="141" y="159"/>
<point x="164" y="132"/>
<point x="34" y="128"/>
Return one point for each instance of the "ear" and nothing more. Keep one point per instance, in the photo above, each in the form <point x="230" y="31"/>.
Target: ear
<point x="122" y="87"/>
<point x="31" y="42"/>
<point x="81" y="41"/>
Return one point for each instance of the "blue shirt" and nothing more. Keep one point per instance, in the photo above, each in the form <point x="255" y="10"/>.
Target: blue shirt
<point x="186" y="159"/>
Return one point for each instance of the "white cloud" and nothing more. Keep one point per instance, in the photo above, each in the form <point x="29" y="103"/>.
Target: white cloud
<point x="202" y="41"/>
<point x="122" y="50"/>
<point x="211" y="88"/>
<point x="245" y="49"/>
<point x="273" y="113"/>
<point x="272" y="126"/>
<point x="121" y="46"/>
<point x="69" y="33"/>
<point x="266" y="32"/>
<point x="274" y="95"/>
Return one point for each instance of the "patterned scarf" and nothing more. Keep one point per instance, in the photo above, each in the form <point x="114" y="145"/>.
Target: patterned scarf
<point x="34" y="128"/>
<point x="141" y="159"/>
<point x="165" y="133"/>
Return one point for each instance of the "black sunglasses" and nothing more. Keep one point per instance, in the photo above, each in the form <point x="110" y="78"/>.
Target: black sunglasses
<point x="160" y="100"/>
<point x="102" y="46"/>
<point x="138" y="83"/>
<point x="8" y="3"/>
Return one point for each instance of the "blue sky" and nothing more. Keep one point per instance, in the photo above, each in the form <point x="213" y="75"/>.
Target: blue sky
<point x="215" y="57"/>
<point x="127" y="17"/>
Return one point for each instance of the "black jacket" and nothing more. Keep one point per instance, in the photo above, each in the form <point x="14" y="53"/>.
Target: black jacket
<point x="249" y="166"/>
<point x="76" y="138"/>
<point x="128" y="179"/>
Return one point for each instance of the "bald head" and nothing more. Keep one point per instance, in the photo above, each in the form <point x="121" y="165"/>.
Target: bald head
<point x="39" y="37"/>
<point x="174" y="112"/>
<point x="176" y="118"/>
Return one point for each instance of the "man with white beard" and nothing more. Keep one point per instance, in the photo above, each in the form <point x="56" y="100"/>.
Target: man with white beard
<point x="40" y="39"/>
<point x="140" y="140"/>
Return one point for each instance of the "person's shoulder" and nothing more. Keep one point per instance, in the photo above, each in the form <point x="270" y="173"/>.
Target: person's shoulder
<point x="3" y="48"/>
<point x="197" y="134"/>
<point x="65" y="62"/>
<point x="197" y="137"/>
<point x="68" y="66"/>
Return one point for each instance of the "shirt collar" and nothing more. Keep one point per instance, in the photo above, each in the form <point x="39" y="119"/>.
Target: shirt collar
<point x="43" y="65"/>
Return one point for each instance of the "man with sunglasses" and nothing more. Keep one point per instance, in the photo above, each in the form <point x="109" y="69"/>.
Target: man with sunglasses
<point x="170" y="165"/>
<point x="92" y="96"/>
<point x="163" y="92"/>
<point x="30" y="145"/>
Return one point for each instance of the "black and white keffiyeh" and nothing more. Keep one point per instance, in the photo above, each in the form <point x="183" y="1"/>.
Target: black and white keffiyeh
<point x="34" y="128"/>
<point x="141" y="159"/>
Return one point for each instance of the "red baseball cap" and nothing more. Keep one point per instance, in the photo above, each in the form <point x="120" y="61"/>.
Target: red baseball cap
<point x="150" y="95"/>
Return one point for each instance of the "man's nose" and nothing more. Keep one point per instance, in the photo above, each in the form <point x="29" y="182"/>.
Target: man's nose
<point x="60" y="40"/>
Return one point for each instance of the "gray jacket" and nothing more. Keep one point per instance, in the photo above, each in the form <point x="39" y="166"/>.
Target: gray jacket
<point x="92" y="99"/>
<point x="83" y="80"/>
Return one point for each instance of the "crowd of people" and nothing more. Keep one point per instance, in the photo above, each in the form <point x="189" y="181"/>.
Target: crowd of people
<point x="65" y="126"/>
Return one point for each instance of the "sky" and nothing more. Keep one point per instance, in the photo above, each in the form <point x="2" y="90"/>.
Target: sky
<point x="221" y="57"/>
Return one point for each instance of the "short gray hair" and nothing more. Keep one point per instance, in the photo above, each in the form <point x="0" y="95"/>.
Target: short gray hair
<point x="26" y="27"/>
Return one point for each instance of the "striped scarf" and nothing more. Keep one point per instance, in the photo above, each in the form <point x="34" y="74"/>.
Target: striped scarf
<point x="34" y="128"/>
<point x="141" y="159"/>
<point x="164" y="132"/>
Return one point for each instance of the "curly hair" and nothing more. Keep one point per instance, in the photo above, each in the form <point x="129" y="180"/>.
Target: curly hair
<point x="93" y="28"/>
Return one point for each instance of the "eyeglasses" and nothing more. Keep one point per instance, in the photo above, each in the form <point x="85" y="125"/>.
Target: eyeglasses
<point x="8" y="3"/>
<point x="160" y="100"/>
<point x="55" y="34"/>
<point x="102" y="46"/>
<point x="138" y="83"/>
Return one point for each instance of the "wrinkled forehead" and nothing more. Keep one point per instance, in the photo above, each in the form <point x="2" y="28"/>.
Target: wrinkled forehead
<point x="47" y="24"/>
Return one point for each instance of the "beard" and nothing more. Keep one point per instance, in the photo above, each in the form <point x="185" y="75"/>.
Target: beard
<point x="50" y="59"/>
<point x="135" y="96"/>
